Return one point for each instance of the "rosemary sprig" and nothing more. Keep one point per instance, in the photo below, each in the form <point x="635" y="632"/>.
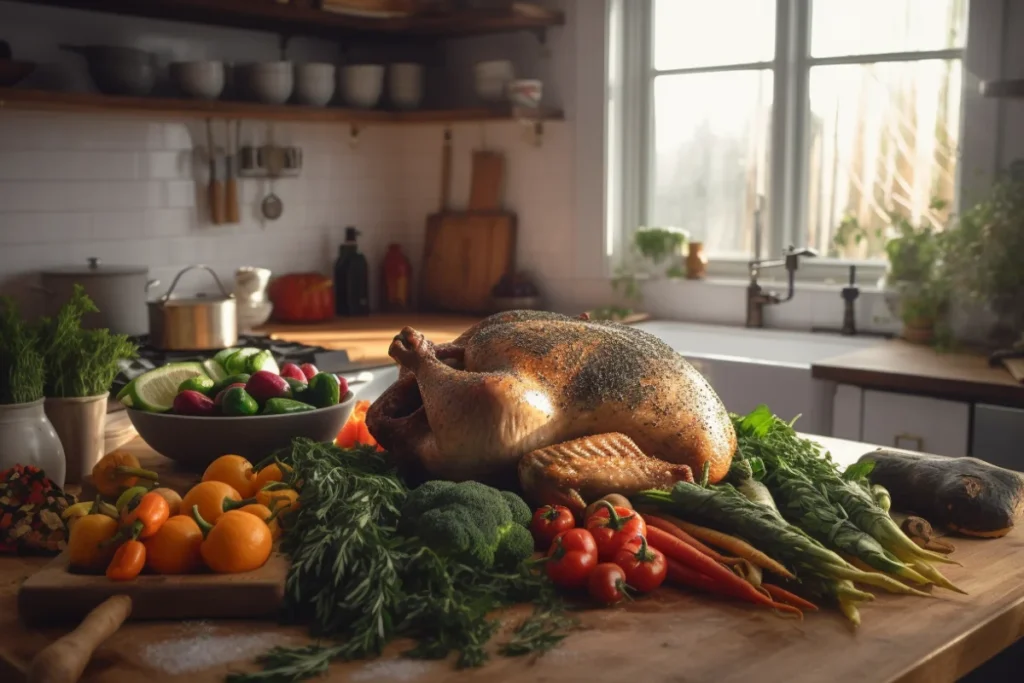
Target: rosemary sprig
<point x="360" y="583"/>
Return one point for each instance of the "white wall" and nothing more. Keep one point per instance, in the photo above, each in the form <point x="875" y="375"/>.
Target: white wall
<point x="131" y="191"/>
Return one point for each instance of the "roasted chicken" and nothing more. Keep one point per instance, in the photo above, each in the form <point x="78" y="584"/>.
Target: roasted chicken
<point x="524" y="380"/>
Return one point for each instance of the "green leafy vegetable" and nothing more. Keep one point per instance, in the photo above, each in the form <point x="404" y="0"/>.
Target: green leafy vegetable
<point x="21" y="364"/>
<point x="80" y="362"/>
<point x="360" y="583"/>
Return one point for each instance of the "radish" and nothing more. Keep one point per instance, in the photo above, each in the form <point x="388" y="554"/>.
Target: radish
<point x="265" y="385"/>
<point x="308" y="369"/>
<point x="193" y="403"/>
<point x="292" y="370"/>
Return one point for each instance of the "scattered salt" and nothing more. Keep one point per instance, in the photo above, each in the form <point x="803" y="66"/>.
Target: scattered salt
<point x="201" y="648"/>
<point x="394" y="670"/>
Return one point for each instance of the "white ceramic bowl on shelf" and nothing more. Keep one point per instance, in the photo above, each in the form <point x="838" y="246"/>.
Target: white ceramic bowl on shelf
<point x="202" y="80"/>
<point x="314" y="83"/>
<point x="271" y="82"/>
<point x="492" y="79"/>
<point x="362" y="84"/>
<point x="405" y="85"/>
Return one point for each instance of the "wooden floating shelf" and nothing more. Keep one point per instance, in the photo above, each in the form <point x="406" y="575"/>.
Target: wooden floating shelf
<point x="1008" y="88"/>
<point x="44" y="100"/>
<point x="305" y="19"/>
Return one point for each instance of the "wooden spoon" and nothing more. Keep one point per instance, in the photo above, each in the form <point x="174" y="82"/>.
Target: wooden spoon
<point x="64" y="660"/>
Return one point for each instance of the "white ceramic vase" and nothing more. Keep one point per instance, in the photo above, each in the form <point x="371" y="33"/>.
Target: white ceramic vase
<point x="79" y="423"/>
<point x="27" y="438"/>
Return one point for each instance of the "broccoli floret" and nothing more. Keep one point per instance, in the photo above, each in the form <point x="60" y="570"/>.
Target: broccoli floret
<point x="521" y="512"/>
<point x="469" y="521"/>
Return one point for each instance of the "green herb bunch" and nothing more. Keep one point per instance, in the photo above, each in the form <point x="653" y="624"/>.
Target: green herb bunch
<point x="80" y="362"/>
<point x="360" y="583"/>
<point x="21" y="364"/>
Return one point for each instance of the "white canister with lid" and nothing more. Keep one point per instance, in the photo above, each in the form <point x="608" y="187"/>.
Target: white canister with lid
<point x="119" y="292"/>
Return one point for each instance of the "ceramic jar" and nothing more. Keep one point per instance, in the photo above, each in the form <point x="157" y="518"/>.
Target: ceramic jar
<point x="27" y="438"/>
<point x="79" y="423"/>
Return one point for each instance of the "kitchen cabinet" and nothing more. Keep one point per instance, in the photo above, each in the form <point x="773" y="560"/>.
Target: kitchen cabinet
<point x="916" y="423"/>
<point x="998" y="436"/>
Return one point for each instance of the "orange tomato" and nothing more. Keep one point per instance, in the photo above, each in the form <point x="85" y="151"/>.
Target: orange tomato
<point x="233" y="470"/>
<point x="175" y="548"/>
<point x="264" y="513"/>
<point x="271" y="472"/>
<point x="238" y="542"/>
<point x="86" y="551"/>
<point x="212" y="497"/>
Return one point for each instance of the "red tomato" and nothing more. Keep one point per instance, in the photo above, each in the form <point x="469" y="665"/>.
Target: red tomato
<point x="645" y="567"/>
<point x="607" y="583"/>
<point x="548" y="522"/>
<point x="302" y="298"/>
<point x="613" y="527"/>
<point x="571" y="558"/>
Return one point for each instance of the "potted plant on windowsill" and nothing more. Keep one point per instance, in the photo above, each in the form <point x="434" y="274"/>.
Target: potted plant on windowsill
<point x="26" y="435"/>
<point x="80" y="365"/>
<point x="653" y="253"/>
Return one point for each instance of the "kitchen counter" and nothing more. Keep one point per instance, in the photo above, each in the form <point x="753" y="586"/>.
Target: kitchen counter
<point x="671" y="637"/>
<point x="910" y="368"/>
<point x="367" y="339"/>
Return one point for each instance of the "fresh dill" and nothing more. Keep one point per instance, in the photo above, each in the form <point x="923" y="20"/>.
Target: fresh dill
<point x="21" y="364"/>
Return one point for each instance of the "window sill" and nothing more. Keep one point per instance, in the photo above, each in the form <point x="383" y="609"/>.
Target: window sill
<point x="830" y="272"/>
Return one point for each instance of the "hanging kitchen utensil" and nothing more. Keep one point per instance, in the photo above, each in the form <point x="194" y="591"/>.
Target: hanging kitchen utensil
<point x="231" y="180"/>
<point x="272" y="205"/>
<point x="200" y="322"/>
<point x="215" y="190"/>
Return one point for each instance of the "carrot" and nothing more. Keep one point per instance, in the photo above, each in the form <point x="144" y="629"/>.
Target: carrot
<point x="680" y="574"/>
<point x="723" y="580"/>
<point x="734" y="545"/>
<point x="780" y="594"/>
<point x="661" y="523"/>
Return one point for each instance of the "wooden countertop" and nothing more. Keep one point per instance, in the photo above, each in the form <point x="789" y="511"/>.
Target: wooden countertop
<point x="367" y="339"/>
<point x="910" y="368"/>
<point x="671" y="636"/>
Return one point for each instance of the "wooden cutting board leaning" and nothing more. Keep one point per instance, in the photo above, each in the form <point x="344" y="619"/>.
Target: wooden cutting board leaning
<point x="466" y="253"/>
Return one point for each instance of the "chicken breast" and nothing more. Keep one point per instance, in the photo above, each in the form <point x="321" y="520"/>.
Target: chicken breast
<point x="523" y="380"/>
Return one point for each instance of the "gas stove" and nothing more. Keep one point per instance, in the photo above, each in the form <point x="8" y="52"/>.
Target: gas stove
<point x="284" y="352"/>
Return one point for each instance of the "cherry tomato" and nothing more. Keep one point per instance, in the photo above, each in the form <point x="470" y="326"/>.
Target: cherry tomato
<point x="571" y="558"/>
<point x="645" y="567"/>
<point x="607" y="583"/>
<point x="548" y="522"/>
<point x="613" y="527"/>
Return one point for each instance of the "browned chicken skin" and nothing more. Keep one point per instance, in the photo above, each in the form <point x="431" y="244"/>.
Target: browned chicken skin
<point x="523" y="380"/>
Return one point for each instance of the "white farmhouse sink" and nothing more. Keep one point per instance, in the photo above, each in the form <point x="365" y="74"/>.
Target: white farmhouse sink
<point x="748" y="367"/>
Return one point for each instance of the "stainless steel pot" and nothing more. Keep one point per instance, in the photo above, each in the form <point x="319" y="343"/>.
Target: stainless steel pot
<point x="118" y="291"/>
<point x="201" y="322"/>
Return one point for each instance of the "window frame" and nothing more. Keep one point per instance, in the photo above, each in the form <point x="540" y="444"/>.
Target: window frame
<point x="788" y="173"/>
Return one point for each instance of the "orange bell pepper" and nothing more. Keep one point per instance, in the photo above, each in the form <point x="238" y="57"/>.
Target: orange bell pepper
<point x="355" y="432"/>
<point x="128" y="561"/>
<point x="175" y="548"/>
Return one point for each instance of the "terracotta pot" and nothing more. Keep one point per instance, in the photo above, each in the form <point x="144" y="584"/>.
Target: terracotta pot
<point x="696" y="262"/>
<point x="919" y="331"/>
<point x="79" y="422"/>
<point x="28" y="438"/>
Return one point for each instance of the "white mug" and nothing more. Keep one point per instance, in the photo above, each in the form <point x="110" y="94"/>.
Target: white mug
<point x="405" y="85"/>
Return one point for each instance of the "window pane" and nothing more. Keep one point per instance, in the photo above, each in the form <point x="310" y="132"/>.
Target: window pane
<point x="711" y="135"/>
<point x="692" y="33"/>
<point x="883" y="138"/>
<point x="860" y="27"/>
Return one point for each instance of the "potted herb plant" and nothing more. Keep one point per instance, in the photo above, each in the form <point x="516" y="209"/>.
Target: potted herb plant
<point x="26" y="435"/>
<point x="80" y="365"/>
<point x="984" y="257"/>
<point x="653" y="252"/>
<point x="915" y="283"/>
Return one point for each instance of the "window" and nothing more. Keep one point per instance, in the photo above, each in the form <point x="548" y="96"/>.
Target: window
<point x="825" y="113"/>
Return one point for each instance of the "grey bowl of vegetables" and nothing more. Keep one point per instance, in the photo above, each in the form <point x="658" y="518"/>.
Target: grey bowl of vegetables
<point x="194" y="413"/>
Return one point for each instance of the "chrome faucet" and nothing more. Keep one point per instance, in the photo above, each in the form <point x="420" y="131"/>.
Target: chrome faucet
<point x="757" y="298"/>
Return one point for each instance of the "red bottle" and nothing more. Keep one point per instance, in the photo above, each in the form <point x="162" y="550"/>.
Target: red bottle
<point x="396" y="276"/>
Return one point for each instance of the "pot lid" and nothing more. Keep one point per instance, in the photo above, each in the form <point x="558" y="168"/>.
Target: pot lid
<point x="195" y="299"/>
<point x="95" y="267"/>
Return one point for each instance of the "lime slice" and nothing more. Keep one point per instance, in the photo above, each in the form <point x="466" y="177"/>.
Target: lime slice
<point x="236" y="362"/>
<point x="125" y="390"/>
<point x="154" y="391"/>
<point x="222" y="356"/>
<point x="214" y="370"/>
<point x="264" y="360"/>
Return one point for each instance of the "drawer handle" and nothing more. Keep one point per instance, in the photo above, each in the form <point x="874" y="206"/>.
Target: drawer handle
<point x="919" y="441"/>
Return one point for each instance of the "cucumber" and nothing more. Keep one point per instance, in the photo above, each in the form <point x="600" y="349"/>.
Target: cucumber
<point x="264" y="360"/>
<point x="285" y="406"/>
<point x="238" y="361"/>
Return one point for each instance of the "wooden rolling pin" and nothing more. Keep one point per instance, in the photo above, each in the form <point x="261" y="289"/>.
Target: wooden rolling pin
<point x="64" y="660"/>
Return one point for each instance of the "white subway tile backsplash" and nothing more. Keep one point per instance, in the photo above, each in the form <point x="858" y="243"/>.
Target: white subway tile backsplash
<point x="182" y="194"/>
<point x="43" y="165"/>
<point x="43" y="228"/>
<point x="166" y="165"/>
<point x="169" y="222"/>
<point x="127" y="225"/>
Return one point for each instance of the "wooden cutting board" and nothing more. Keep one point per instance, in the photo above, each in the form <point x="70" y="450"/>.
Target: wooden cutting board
<point x="487" y="181"/>
<point x="464" y="256"/>
<point x="55" y="595"/>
